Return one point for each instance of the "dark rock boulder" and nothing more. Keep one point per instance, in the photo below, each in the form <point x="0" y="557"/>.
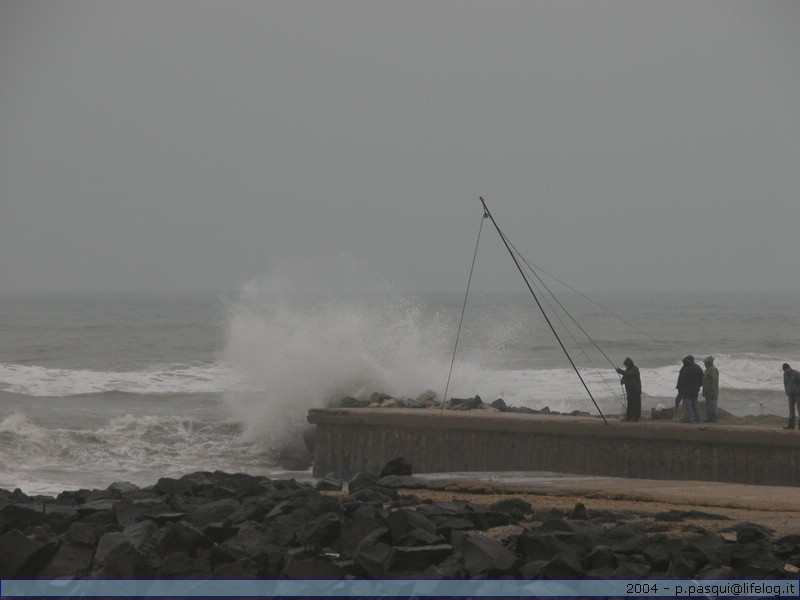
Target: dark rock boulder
<point x="633" y="567"/>
<point x="182" y="537"/>
<point x="30" y="514"/>
<point x="126" y="511"/>
<point x="372" y="553"/>
<point x="707" y="549"/>
<point x="485" y="556"/>
<point x="180" y="565"/>
<point x="23" y="556"/>
<point x="564" y="565"/>
<point x="515" y="507"/>
<point x="361" y="480"/>
<point x="139" y="536"/>
<point x="322" y="531"/>
<point x="465" y="403"/>
<point x="73" y="559"/>
<point x="412" y="559"/>
<point x="312" y="569"/>
<point x="500" y="405"/>
<point x="400" y="522"/>
<point x="212" y="512"/>
<point x="329" y="483"/>
<point x="126" y="561"/>
<point x="398" y="466"/>
<point x="755" y="560"/>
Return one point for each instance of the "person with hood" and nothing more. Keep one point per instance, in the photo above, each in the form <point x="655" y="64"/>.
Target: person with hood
<point x="633" y="389"/>
<point x="690" y="380"/>
<point x="710" y="389"/>
<point x="791" y="383"/>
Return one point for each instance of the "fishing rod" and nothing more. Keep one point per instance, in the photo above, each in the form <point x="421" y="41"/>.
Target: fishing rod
<point x="541" y="308"/>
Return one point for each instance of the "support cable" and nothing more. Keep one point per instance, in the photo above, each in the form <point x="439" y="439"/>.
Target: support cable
<point x="463" y="309"/>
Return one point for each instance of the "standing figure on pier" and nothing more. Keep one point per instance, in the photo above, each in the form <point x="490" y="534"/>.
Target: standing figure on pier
<point x="690" y="380"/>
<point x="791" y="383"/>
<point x="710" y="389"/>
<point x="633" y="389"/>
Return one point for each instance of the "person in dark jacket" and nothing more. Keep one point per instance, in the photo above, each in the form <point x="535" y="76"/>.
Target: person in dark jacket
<point x="690" y="380"/>
<point x="633" y="389"/>
<point x="791" y="384"/>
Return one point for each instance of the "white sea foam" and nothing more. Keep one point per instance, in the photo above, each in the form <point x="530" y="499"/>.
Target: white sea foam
<point x="302" y="346"/>
<point x="32" y="380"/>
<point x="139" y="449"/>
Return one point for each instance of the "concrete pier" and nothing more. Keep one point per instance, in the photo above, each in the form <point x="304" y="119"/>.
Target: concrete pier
<point x="364" y="439"/>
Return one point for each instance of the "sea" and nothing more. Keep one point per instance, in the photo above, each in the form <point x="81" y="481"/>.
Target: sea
<point x="101" y="388"/>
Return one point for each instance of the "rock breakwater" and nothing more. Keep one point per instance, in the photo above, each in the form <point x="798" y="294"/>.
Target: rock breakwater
<point x="219" y="525"/>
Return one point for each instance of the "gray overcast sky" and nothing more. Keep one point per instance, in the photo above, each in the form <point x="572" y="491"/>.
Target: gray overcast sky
<point x="186" y="144"/>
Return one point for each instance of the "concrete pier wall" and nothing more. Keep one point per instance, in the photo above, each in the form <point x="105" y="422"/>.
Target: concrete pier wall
<point x="352" y="440"/>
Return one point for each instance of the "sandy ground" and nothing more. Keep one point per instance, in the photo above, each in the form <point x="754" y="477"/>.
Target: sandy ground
<point x="775" y="507"/>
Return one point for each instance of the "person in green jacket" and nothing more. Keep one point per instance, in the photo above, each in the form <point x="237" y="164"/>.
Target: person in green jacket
<point x="710" y="389"/>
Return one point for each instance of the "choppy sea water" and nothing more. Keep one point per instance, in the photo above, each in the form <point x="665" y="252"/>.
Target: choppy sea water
<point x="103" y="388"/>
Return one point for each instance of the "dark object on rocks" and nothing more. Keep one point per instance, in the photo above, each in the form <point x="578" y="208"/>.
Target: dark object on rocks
<point x="378" y="397"/>
<point x="396" y="466"/>
<point x="348" y="402"/>
<point x="362" y="480"/>
<point x="578" y="512"/>
<point x="750" y="532"/>
<point x="515" y="507"/>
<point x="465" y="403"/>
<point x="681" y="515"/>
<point x="500" y="405"/>
<point x="329" y="483"/>
<point x="485" y="556"/>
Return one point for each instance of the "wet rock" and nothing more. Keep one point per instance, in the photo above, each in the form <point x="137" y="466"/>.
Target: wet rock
<point x="397" y="466"/>
<point x="348" y="402"/>
<point x="138" y="535"/>
<point x="633" y="567"/>
<point x="405" y="559"/>
<point x="564" y="565"/>
<point x="500" y="405"/>
<point x="182" y="537"/>
<point x="29" y="514"/>
<point x="21" y="556"/>
<point x="578" y="512"/>
<point x="371" y="555"/>
<point x="312" y="569"/>
<point x="120" y="488"/>
<point x="402" y="521"/>
<point x="751" y="532"/>
<point x="180" y="565"/>
<point x="516" y="507"/>
<point x="485" y="556"/>
<point x="465" y="403"/>
<point x="362" y="480"/>
<point x="217" y="525"/>
<point x="755" y="560"/>
<point x="329" y="483"/>
<point x="126" y="561"/>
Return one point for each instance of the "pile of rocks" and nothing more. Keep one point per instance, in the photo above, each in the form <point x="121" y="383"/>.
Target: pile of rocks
<point x="430" y="399"/>
<point x="235" y="526"/>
